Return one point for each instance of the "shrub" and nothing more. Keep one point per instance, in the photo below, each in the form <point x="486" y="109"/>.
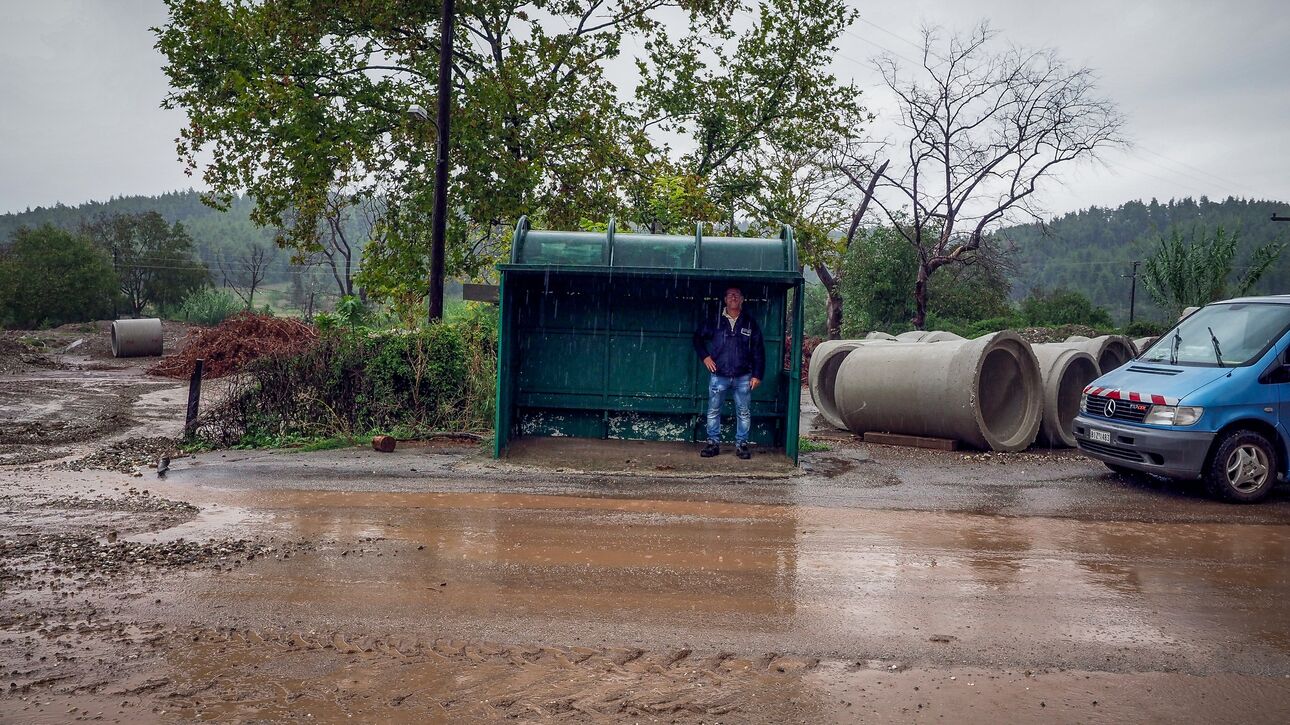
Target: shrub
<point x="208" y="307"/>
<point x="1144" y="328"/>
<point x="1063" y="307"/>
<point x="356" y="382"/>
<point x="49" y="277"/>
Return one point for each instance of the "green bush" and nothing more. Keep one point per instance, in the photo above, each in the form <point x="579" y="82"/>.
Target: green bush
<point x="1144" y="328"/>
<point x="49" y="277"/>
<point x="208" y="307"/>
<point x="1062" y="307"/>
<point x="359" y="381"/>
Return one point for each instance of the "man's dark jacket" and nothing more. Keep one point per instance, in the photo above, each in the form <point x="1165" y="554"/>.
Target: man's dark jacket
<point x="738" y="351"/>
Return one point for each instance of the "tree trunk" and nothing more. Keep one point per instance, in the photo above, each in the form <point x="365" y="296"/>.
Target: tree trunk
<point x="920" y="299"/>
<point x="833" y="319"/>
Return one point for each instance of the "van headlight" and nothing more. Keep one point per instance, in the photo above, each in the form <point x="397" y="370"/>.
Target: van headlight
<point x="1173" y="415"/>
<point x="1083" y="403"/>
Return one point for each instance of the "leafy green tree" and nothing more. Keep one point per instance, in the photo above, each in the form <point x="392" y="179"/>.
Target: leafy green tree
<point x="297" y="101"/>
<point x="153" y="260"/>
<point x="970" y="292"/>
<point x="49" y="276"/>
<point x="880" y="269"/>
<point x="1196" y="269"/>
<point x="1063" y="307"/>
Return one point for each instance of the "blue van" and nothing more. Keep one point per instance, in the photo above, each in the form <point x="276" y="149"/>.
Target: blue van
<point x="1205" y="401"/>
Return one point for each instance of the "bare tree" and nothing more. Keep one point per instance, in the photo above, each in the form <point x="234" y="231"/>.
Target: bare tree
<point x="244" y="273"/>
<point x="984" y="128"/>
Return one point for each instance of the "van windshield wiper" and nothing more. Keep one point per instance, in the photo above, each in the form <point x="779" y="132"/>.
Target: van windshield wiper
<point x="1173" y="350"/>
<point x="1218" y="354"/>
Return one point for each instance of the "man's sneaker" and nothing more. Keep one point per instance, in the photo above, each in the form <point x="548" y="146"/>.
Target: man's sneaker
<point x="710" y="450"/>
<point x="741" y="450"/>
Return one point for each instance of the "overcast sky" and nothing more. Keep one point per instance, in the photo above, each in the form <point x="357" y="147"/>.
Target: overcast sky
<point x="1205" y="87"/>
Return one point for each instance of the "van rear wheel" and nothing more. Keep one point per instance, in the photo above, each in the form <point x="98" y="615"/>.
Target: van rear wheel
<point x="1243" y="468"/>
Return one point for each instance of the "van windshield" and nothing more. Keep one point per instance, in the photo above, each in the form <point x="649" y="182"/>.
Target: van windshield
<point x="1242" y="332"/>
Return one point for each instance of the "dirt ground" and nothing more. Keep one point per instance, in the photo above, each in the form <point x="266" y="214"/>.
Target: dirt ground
<point x="595" y="581"/>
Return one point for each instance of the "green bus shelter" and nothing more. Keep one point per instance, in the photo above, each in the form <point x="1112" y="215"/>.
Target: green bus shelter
<point x="595" y="334"/>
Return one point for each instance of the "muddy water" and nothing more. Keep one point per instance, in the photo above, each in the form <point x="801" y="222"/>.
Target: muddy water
<point x="949" y="588"/>
<point x="448" y="607"/>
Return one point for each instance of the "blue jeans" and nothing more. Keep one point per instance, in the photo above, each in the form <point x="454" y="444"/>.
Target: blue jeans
<point x="717" y="387"/>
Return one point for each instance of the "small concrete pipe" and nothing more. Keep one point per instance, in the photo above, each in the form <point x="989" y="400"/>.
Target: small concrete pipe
<point x="1066" y="371"/>
<point x="136" y="338"/>
<point x="876" y="335"/>
<point x="826" y="358"/>
<point x="985" y="392"/>
<point x="1111" y="351"/>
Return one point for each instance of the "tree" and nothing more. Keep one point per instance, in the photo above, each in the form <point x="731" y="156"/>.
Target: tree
<point x="49" y="276"/>
<point x="153" y="260"/>
<point x="1195" y="270"/>
<point x="982" y="130"/>
<point x="804" y="189"/>
<point x="297" y="100"/>
<point x="244" y="272"/>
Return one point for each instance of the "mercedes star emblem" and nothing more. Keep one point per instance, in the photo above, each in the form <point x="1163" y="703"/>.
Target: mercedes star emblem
<point x="1110" y="408"/>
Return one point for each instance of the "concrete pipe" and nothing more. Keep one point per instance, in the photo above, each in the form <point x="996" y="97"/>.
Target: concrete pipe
<point x="1141" y="344"/>
<point x="985" y="392"/>
<point x="913" y="335"/>
<point x="941" y="336"/>
<point x="1066" y="371"/>
<point x="1078" y="338"/>
<point x="875" y="335"/>
<point x="1110" y="351"/>
<point x="136" y="338"/>
<point x="826" y="358"/>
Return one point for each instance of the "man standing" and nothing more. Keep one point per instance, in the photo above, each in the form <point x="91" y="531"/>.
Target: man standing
<point x="731" y="348"/>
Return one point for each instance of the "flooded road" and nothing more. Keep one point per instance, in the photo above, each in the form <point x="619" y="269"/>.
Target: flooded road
<point x="437" y="585"/>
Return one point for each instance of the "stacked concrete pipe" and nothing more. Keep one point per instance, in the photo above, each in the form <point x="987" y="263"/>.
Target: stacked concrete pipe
<point x="826" y="358"/>
<point x="936" y="336"/>
<point x="136" y="338"/>
<point x="985" y="392"/>
<point x="1142" y="343"/>
<point x="1111" y="351"/>
<point x="1066" y="371"/>
<point x="876" y="335"/>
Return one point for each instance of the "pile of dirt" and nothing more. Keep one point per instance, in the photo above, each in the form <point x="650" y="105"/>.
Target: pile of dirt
<point x="236" y="342"/>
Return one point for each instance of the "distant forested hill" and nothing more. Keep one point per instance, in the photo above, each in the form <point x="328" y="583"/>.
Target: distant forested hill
<point x="214" y="232"/>
<point x="1088" y="250"/>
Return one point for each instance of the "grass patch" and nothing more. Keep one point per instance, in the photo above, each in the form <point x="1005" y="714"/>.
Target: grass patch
<point x="806" y="445"/>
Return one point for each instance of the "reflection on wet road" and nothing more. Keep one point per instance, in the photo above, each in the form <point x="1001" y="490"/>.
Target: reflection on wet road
<point x="928" y="587"/>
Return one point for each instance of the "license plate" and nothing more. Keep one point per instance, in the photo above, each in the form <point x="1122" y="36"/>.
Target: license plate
<point x="1101" y="436"/>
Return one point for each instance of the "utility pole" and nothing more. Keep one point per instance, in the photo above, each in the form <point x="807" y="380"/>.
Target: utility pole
<point x="1133" y="289"/>
<point x="439" y="222"/>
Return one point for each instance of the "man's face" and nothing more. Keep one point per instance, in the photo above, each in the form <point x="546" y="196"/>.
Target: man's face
<point x="734" y="299"/>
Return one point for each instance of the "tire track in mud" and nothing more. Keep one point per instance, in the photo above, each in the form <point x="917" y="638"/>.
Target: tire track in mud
<point x="237" y="672"/>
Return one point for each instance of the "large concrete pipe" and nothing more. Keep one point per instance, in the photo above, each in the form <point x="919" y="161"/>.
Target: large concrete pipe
<point x="1141" y="344"/>
<point x="913" y="335"/>
<point x="1078" y="338"/>
<point x="826" y="358"/>
<point x="876" y="335"/>
<point x="985" y="392"/>
<point x="136" y="338"/>
<point x="941" y="336"/>
<point x="1110" y="351"/>
<point x="1065" y="371"/>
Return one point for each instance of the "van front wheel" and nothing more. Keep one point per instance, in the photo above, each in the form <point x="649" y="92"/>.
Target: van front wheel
<point x="1243" y="468"/>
